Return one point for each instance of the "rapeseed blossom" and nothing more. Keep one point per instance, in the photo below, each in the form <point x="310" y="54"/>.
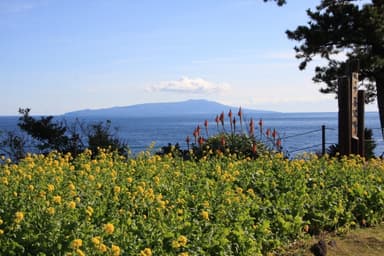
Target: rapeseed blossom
<point x="51" y="210"/>
<point x="109" y="228"/>
<point x="180" y="242"/>
<point x="89" y="211"/>
<point x="77" y="243"/>
<point x="146" y="252"/>
<point x="57" y="199"/>
<point x="80" y="252"/>
<point x="96" y="240"/>
<point x="72" y="205"/>
<point x="204" y="215"/>
<point x="19" y="216"/>
<point x="116" y="251"/>
<point x="103" y="248"/>
<point x="51" y="187"/>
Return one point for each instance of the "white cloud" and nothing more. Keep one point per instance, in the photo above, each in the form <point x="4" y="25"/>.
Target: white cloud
<point x="190" y="85"/>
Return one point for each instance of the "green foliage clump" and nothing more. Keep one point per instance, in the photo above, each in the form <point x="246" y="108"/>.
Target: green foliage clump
<point x="234" y="143"/>
<point x="44" y="135"/>
<point x="369" y="146"/>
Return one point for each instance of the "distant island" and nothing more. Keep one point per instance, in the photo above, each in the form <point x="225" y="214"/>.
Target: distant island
<point x="189" y="107"/>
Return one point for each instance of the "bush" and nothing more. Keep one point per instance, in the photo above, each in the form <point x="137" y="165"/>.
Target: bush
<point x="46" y="135"/>
<point x="369" y="146"/>
<point x="235" y="142"/>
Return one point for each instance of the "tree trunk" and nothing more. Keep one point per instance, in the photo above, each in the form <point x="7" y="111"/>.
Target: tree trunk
<point x="380" y="99"/>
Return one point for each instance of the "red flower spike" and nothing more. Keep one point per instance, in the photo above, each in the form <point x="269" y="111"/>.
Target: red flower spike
<point x="268" y="132"/>
<point x="201" y="141"/>
<point x="230" y="114"/>
<point x="222" y="141"/>
<point x="222" y="118"/>
<point x="254" y="147"/>
<point x="251" y="124"/>
<point x="187" y="139"/>
<point x="278" y="143"/>
<point x="217" y="119"/>
<point x="261" y="122"/>
<point x="274" y="134"/>
<point x="198" y="130"/>
<point x="251" y="127"/>
<point x="240" y="113"/>
<point x="206" y="127"/>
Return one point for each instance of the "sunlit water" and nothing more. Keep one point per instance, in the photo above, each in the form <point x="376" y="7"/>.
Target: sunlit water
<point x="300" y="132"/>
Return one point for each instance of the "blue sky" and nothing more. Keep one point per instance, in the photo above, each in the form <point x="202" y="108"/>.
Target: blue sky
<point x="59" y="56"/>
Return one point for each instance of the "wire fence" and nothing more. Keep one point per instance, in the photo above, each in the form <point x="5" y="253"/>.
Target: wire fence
<point x="323" y="138"/>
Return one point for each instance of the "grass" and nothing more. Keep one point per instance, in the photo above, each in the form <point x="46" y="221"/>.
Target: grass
<point x="358" y="242"/>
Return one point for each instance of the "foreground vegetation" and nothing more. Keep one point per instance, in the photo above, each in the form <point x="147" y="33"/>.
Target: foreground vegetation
<point x="161" y="205"/>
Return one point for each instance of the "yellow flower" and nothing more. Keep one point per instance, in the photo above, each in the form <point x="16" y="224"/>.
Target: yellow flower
<point x="182" y="240"/>
<point x="1" y="232"/>
<point x="71" y="186"/>
<point x="31" y="187"/>
<point x="19" y="216"/>
<point x="116" y="251"/>
<point x="146" y="252"/>
<point x="117" y="189"/>
<point x="129" y="180"/>
<point x="80" y="252"/>
<point x="109" y="228"/>
<point x="1" y="221"/>
<point x="140" y="189"/>
<point x="91" y="177"/>
<point x="183" y="254"/>
<point x="175" y="244"/>
<point x="72" y="205"/>
<point x="51" y="187"/>
<point x="51" y="211"/>
<point x="42" y="193"/>
<point x="89" y="211"/>
<point x="4" y="180"/>
<point x="57" y="199"/>
<point x="204" y="215"/>
<point x="103" y="248"/>
<point x="206" y="204"/>
<point x="77" y="243"/>
<point x="96" y="240"/>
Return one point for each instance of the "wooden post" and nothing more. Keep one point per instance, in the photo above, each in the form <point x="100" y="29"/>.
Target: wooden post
<point x="345" y="128"/>
<point x="323" y="140"/>
<point x="361" y="122"/>
<point x="348" y="110"/>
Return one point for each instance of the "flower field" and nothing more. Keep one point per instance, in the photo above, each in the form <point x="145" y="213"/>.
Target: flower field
<point x="152" y="205"/>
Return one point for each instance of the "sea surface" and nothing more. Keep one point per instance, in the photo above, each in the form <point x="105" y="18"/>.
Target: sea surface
<point x="300" y="132"/>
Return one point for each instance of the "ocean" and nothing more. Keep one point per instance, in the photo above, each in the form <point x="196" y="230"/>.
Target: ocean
<point x="300" y="132"/>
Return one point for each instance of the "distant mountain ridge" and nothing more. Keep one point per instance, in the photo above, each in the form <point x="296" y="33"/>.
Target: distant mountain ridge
<point x="189" y="107"/>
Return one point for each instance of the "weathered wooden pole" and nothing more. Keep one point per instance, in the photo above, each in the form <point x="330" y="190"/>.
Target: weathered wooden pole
<point x="349" y="141"/>
<point x="345" y="131"/>
<point x="353" y="74"/>
<point x="323" y="140"/>
<point x="361" y="122"/>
